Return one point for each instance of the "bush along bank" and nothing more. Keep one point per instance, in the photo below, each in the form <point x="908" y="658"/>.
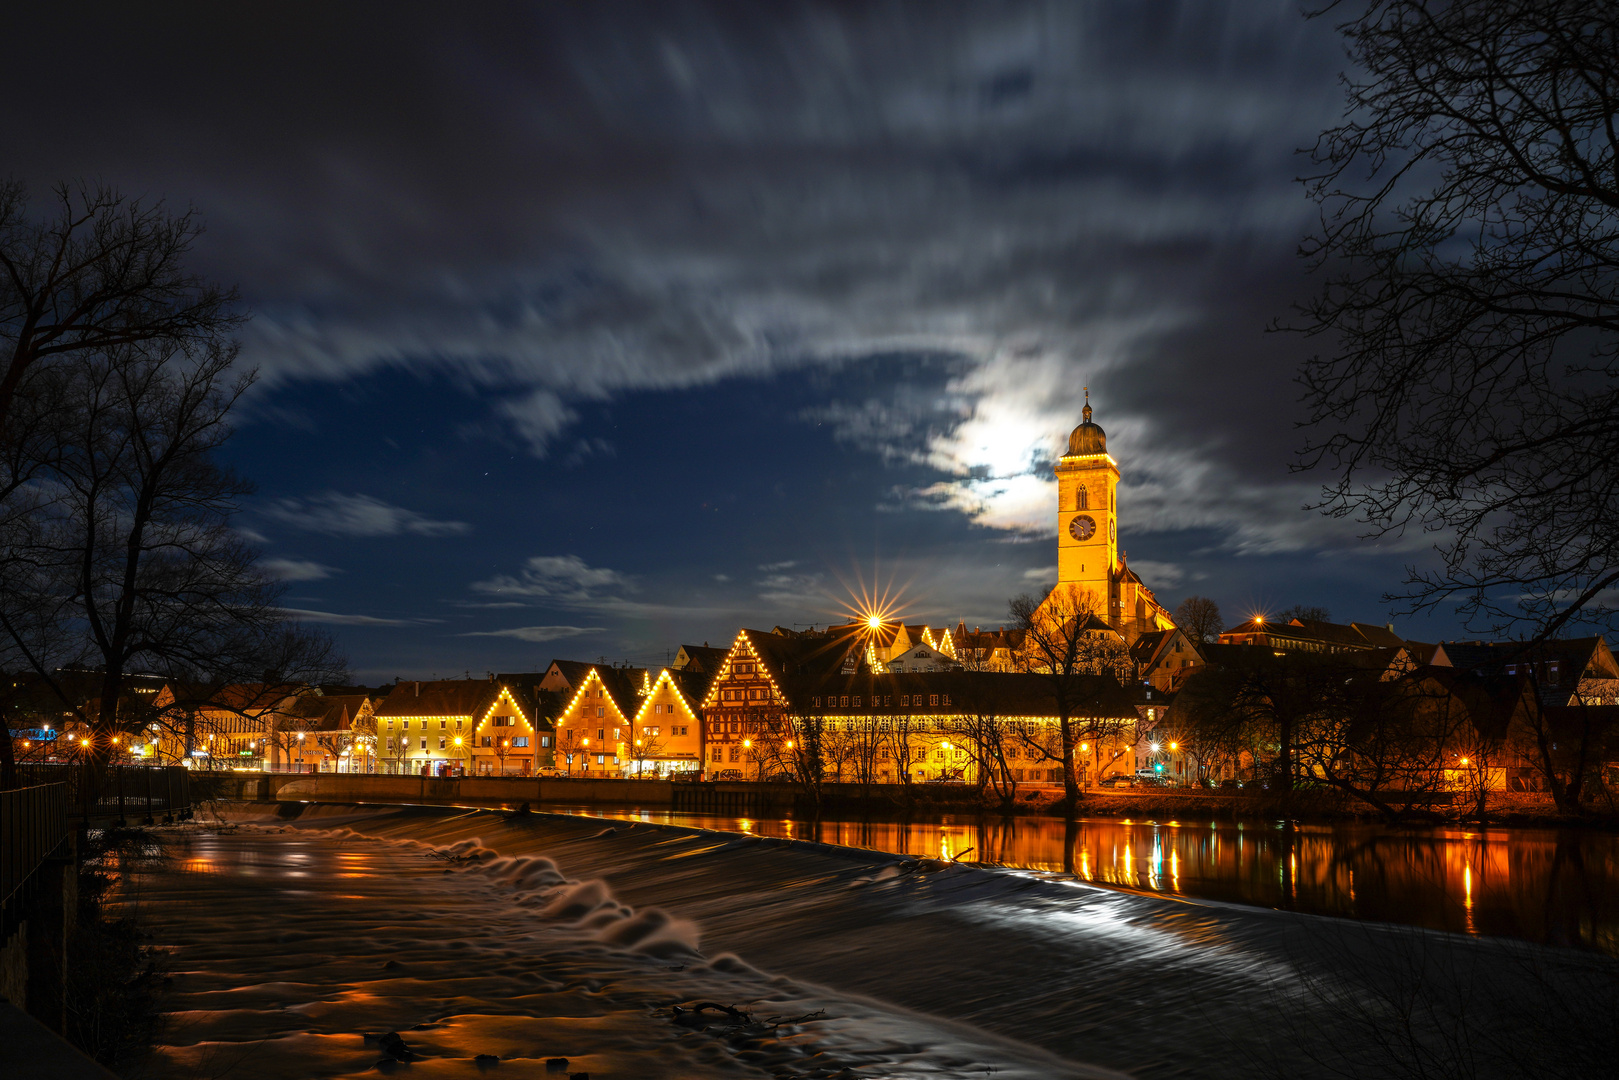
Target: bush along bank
<point x="115" y="979"/>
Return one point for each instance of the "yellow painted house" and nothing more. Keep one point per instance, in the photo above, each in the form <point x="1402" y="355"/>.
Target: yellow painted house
<point x="455" y="727"/>
<point x="667" y="732"/>
<point x="594" y="731"/>
<point x="506" y="741"/>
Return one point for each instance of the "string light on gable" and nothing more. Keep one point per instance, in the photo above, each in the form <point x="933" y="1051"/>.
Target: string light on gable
<point x="742" y="649"/>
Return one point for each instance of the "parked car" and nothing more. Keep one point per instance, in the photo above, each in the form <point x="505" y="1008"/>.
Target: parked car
<point x="728" y="774"/>
<point x="1118" y="781"/>
<point x="1229" y="784"/>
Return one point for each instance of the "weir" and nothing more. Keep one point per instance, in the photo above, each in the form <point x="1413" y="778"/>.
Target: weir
<point x="502" y="791"/>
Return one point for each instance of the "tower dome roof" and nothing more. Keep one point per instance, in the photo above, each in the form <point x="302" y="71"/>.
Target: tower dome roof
<point x="1087" y="438"/>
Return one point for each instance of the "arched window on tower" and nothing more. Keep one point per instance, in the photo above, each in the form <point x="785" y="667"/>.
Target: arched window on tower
<point x="1082" y="499"/>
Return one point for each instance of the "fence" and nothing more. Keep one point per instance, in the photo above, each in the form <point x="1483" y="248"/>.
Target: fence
<point x="33" y="823"/>
<point x="124" y="793"/>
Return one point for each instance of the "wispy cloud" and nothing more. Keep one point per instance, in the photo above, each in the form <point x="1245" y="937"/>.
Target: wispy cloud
<point x="336" y="619"/>
<point x="560" y="579"/>
<point x="338" y="514"/>
<point x="538" y="633"/>
<point x="297" y="569"/>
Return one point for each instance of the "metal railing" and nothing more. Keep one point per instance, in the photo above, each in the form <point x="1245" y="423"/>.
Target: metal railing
<point x="122" y="793"/>
<point x="33" y="823"/>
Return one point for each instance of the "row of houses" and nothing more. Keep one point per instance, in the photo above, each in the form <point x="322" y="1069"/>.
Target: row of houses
<point x="1566" y="672"/>
<point x="874" y="703"/>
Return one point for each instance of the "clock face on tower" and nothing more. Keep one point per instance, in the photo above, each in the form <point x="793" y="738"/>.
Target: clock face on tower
<point x="1082" y="527"/>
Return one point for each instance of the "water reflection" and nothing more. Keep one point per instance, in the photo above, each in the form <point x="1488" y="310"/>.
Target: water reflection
<point x="1554" y="886"/>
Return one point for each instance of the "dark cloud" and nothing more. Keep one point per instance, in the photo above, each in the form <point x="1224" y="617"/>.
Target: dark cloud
<point x="934" y="223"/>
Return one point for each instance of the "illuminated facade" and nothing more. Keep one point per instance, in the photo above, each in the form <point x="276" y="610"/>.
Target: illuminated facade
<point x="219" y="727"/>
<point x="594" y="729"/>
<point x="1091" y="570"/>
<point x="776" y="692"/>
<point x="507" y="740"/>
<point x="325" y="733"/>
<point x="459" y="726"/>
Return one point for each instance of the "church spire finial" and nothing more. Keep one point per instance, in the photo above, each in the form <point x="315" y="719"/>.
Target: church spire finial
<point x="1087" y="405"/>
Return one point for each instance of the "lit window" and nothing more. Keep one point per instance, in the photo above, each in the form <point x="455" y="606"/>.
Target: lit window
<point x="520" y="740"/>
<point x="545" y="740"/>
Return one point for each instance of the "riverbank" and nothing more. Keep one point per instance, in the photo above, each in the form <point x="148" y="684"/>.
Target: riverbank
<point x="1506" y="809"/>
<point x="298" y="929"/>
<point x="878" y="801"/>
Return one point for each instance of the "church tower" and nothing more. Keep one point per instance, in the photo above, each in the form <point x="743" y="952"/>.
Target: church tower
<point x="1087" y="518"/>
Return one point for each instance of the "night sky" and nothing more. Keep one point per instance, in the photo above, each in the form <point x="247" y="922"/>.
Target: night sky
<point x="590" y="330"/>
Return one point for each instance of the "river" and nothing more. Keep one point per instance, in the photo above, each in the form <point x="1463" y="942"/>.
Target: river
<point x="1549" y="886"/>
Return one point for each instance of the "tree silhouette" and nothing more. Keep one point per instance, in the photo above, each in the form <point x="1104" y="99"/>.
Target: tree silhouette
<point x="1469" y="230"/>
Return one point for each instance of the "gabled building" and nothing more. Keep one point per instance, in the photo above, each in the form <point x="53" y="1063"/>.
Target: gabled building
<point x="987" y="650"/>
<point x="325" y="733"/>
<point x="1573" y="671"/>
<point x="220" y="727"/>
<point x="896" y="646"/>
<point x="881" y="726"/>
<point x="1310" y="635"/>
<point x="456" y="726"/>
<point x="666" y="733"/>
<point x="541" y="707"/>
<point x="593" y="730"/>
<point x="1165" y="658"/>
<point x="700" y="658"/>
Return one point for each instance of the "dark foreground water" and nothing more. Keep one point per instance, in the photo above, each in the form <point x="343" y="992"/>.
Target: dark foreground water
<point x="293" y="932"/>
<point x="1551" y="886"/>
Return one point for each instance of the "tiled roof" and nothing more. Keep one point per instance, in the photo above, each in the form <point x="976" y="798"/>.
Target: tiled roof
<point x="704" y="658"/>
<point x="245" y="697"/>
<point x="693" y="685"/>
<point x="575" y="671"/>
<point x="445" y="697"/>
<point x="1148" y="644"/>
<point x="623" y="685"/>
<point x="328" y="712"/>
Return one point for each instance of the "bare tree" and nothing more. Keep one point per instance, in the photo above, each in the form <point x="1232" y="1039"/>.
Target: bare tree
<point x="1566" y="745"/>
<point x="989" y="740"/>
<point x="1262" y="706"/>
<point x="1304" y="613"/>
<point x="131" y="558"/>
<point x="1469" y="232"/>
<point x="1200" y="618"/>
<point x="1065" y="643"/>
<point x="103" y="272"/>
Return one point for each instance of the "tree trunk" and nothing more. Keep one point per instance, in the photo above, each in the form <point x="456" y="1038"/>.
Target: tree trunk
<point x="1070" y="778"/>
